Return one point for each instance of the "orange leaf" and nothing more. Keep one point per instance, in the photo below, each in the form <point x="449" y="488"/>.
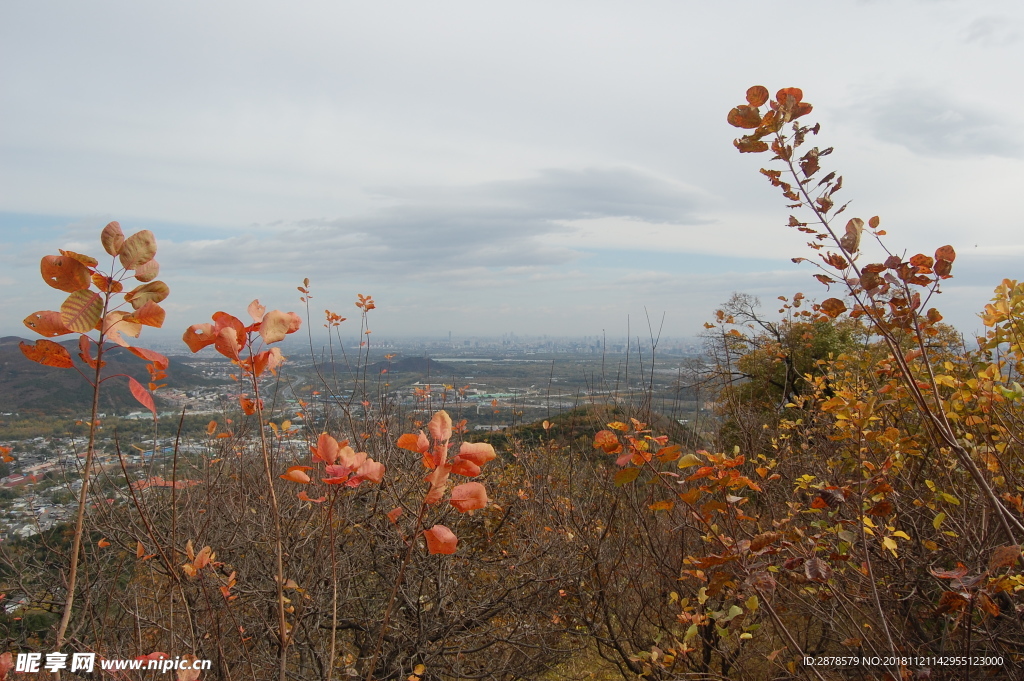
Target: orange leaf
<point x="47" y="353"/>
<point x="441" y="540"/>
<point x="477" y="452"/>
<point x="46" y="323"/>
<point x="149" y="314"/>
<point x="950" y="601"/>
<point x="103" y="543"/>
<point x="211" y="427"/>
<point x="140" y="550"/>
<point x="112" y="238"/>
<point x="414" y="443"/>
<point x="394" y="514"/>
<point x="228" y="342"/>
<point x="84" y="351"/>
<point x="137" y="249"/>
<point x="106" y="284"/>
<point x="82" y="310"/>
<point x="305" y="497"/>
<point x="1004" y="556"/>
<point x="945" y="253"/>
<point x="833" y="307"/>
<point x="469" y="496"/>
<point x="440" y="427"/>
<point x="297" y="474"/>
<point x="154" y="291"/>
<point x="147" y="271"/>
<point x="203" y="558"/>
<point x="607" y="440"/>
<point x="757" y="95"/>
<point x="275" y="326"/>
<point x="65" y="273"/>
<point x="744" y="116"/>
<point x="188" y="671"/>
<point x="151" y="355"/>
<point x="256" y="311"/>
<point x="141" y="394"/>
<point x="198" y="336"/>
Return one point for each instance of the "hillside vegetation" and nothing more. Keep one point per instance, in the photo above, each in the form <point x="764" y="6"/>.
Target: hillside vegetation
<point x="854" y="511"/>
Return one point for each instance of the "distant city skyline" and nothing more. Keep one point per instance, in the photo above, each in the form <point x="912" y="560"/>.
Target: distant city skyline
<point x="555" y="169"/>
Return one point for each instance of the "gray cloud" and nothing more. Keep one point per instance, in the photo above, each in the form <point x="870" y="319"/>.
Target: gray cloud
<point x="992" y="31"/>
<point x="494" y="224"/>
<point x="931" y="124"/>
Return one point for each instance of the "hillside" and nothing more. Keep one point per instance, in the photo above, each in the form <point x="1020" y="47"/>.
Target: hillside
<point x="27" y="387"/>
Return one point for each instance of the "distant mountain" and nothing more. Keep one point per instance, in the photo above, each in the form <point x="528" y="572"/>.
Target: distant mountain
<point x="415" y="365"/>
<point x="27" y="387"/>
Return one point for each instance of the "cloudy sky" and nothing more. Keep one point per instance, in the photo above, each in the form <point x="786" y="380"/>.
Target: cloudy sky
<point x="482" y="167"/>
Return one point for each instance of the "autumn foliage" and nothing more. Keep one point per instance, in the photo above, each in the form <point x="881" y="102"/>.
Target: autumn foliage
<point x="859" y="491"/>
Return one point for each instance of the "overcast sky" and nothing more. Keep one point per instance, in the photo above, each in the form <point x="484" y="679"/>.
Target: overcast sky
<point x="483" y="167"/>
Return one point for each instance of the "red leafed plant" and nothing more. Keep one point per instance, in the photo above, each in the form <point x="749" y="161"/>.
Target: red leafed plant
<point x="102" y="312"/>
<point x="465" y="498"/>
<point x="245" y="345"/>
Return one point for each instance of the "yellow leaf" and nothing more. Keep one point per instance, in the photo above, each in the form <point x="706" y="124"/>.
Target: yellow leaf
<point x="688" y="460"/>
<point x="889" y="543"/>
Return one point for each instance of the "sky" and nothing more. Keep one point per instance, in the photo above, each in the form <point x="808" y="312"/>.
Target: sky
<point x="559" y="168"/>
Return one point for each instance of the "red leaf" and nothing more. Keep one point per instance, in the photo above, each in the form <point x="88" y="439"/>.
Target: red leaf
<point x="817" y="570"/>
<point x="47" y="353"/>
<point x="369" y="470"/>
<point x="85" y="352"/>
<point x="945" y="253"/>
<point x="441" y="540"/>
<point x="469" y="496"/>
<point x="141" y="394"/>
<point x="305" y="497"/>
<point x="46" y="323"/>
<point x="327" y="449"/>
<point x="465" y="467"/>
<point x="65" y="273"/>
<point x="959" y="571"/>
<point x="152" y="356"/>
<point x="394" y="514"/>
